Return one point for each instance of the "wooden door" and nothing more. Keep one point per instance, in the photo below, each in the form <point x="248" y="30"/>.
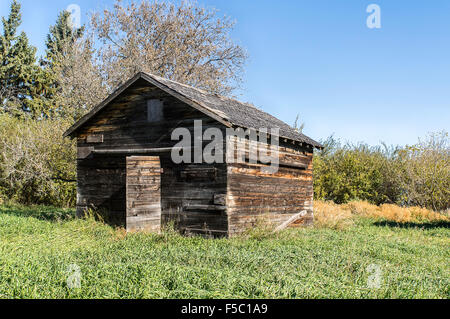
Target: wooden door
<point x="143" y="194"/>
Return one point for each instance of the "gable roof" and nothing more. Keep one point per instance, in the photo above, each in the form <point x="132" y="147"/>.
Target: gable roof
<point x="229" y="112"/>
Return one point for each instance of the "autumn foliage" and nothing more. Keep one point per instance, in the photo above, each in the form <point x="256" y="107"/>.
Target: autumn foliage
<point x="417" y="175"/>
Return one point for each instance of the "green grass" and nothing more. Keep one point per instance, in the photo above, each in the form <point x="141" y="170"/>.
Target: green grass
<point x="38" y="244"/>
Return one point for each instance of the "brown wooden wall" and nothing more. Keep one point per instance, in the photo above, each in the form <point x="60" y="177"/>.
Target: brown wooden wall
<point x="257" y="196"/>
<point x="188" y="192"/>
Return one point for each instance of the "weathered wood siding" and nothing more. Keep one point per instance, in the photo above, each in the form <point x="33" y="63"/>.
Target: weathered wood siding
<point x="254" y="195"/>
<point x="188" y="192"/>
<point x="189" y="197"/>
<point x="217" y="199"/>
<point x="143" y="194"/>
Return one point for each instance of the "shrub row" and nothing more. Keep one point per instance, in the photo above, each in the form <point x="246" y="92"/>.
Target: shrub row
<point x="37" y="166"/>
<point x="417" y="175"/>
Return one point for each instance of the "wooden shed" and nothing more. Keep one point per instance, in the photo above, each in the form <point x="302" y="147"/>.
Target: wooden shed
<point x="127" y="173"/>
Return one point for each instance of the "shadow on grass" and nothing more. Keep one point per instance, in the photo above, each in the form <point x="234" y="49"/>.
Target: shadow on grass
<point x="46" y="213"/>
<point x="425" y="225"/>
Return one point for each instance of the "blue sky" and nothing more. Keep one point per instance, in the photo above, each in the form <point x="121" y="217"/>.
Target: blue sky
<point x="317" y="58"/>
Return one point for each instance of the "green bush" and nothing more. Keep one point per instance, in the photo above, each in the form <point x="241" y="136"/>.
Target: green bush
<point x="37" y="166"/>
<point x="350" y="173"/>
<point x="424" y="176"/>
<point x="412" y="175"/>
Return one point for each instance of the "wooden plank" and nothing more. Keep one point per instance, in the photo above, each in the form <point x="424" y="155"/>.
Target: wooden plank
<point x="137" y="150"/>
<point x="95" y="138"/>
<point x="143" y="194"/>
<point x="290" y="221"/>
<point x="202" y="173"/>
<point x="205" y="207"/>
<point x="84" y="152"/>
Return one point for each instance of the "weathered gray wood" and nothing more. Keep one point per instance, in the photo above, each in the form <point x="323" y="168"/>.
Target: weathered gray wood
<point x="254" y="194"/>
<point x="290" y="221"/>
<point x="84" y="152"/>
<point x="143" y="194"/>
<point x="205" y="207"/>
<point x="109" y="99"/>
<point x="137" y="150"/>
<point x="95" y="138"/>
<point x="190" y="173"/>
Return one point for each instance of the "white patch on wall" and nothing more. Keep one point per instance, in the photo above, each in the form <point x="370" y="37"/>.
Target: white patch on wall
<point x="154" y="110"/>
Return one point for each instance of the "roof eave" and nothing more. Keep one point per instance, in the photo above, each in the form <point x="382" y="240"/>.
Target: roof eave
<point x="99" y="107"/>
<point x="141" y="75"/>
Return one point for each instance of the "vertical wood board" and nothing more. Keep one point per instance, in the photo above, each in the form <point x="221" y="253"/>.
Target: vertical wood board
<point x="143" y="194"/>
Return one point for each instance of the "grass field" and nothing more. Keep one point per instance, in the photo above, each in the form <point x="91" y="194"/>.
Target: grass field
<point x="39" y="247"/>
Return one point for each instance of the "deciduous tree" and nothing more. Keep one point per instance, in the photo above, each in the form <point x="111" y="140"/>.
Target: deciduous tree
<point x="185" y="43"/>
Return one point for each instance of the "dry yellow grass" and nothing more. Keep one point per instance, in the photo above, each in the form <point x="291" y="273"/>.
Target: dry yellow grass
<point x="394" y="212"/>
<point x="330" y="215"/>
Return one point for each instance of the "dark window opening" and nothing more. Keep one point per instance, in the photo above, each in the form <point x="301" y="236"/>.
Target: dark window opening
<point x="154" y="110"/>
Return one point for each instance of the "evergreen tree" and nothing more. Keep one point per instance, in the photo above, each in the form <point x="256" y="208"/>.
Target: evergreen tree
<point x="59" y="34"/>
<point x="7" y="39"/>
<point x="20" y="76"/>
